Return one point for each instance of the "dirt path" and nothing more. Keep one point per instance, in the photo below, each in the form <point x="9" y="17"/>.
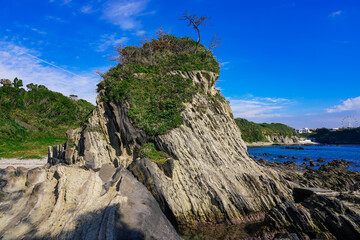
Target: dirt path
<point x="27" y="163"/>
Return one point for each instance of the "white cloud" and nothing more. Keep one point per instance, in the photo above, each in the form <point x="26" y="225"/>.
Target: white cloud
<point x="124" y="13"/>
<point x="38" y="31"/>
<point x="17" y="61"/>
<point x="64" y="2"/>
<point x="336" y="13"/>
<point x="109" y="40"/>
<point x="350" y="104"/>
<point x="53" y="18"/>
<point x="257" y="108"/>
<point x="86" y="9"/>
<point x="140" y="33"/>
<point x="223" y="65"/>
<point x="33" y="29"/>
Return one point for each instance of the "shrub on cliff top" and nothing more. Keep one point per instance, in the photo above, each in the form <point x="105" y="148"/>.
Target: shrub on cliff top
<point x="169" y="53"/>
<point x="142" y="80"/>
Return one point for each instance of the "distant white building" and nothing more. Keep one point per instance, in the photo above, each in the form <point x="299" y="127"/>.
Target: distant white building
<point x="304" y="130"/>
<point x="73" y="97"/>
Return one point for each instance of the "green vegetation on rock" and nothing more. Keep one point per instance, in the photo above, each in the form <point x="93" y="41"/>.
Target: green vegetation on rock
<point x="32" y="120"/>
<point x="257" y="132"/>
<point x="149" y="150"/>
<point x="155" y="101"/>
<point x="145" y="80"/>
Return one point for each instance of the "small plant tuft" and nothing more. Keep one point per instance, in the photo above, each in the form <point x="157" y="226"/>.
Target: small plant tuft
<point x="149" y="150"/>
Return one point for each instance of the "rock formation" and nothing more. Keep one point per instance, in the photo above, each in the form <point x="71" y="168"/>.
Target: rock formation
<point x="275" y="139"/>
<point x="208" y="178"/>
<point x="66" y="202"/>
<point x="318" y="214"/>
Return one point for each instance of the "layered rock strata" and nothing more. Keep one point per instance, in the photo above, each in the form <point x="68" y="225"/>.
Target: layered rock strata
<point x="66" y="202"/>
<point x="209" y="177"/>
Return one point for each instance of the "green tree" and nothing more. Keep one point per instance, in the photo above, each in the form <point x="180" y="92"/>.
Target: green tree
<point x="42" y="87"/>
<point x="17" y="83"/>
<point x="30" y="86"/>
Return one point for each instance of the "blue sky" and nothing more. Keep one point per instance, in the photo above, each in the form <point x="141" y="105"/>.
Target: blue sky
<point x="291" y="61"/>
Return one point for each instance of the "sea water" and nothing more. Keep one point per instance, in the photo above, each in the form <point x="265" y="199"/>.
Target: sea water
<point x="314" y="152"/>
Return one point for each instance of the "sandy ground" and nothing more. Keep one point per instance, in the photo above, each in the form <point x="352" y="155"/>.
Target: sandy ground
<point x="28" y="163"/>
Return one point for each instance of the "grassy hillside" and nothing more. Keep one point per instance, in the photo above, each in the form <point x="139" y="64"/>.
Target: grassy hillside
<point x="256" y="132"/>
<point x="342" y="136"/>
<point x="31" y="120"/>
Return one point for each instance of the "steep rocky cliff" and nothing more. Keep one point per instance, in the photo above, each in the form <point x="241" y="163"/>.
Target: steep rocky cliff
<point x="208" y="177"/>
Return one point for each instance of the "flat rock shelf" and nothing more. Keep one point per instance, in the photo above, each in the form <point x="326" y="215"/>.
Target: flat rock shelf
<point x="26" y="163"/>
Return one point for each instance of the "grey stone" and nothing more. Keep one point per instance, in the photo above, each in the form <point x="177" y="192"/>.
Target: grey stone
<point x="106" y="172"/>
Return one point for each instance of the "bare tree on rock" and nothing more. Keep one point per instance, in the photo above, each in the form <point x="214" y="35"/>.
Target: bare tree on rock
<point x="195" y="22"/>
<point x="215" y="42"/>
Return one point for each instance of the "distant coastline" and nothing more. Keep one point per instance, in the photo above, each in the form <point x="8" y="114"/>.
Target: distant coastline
<point x="264" y="144"/>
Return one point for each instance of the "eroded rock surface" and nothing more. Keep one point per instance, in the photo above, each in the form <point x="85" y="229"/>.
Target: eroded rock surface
<point x="284" y="140"/>
<point x="327" y="177"/>
<point x="276" y="140"/>
<point x="66" y="202"/>
<point x="319" y="214"/>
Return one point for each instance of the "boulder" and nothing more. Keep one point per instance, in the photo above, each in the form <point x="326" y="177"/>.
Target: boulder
<point x="339" y="163"/>
<point x="321" y="160"/>
<point x="312" y="164"/>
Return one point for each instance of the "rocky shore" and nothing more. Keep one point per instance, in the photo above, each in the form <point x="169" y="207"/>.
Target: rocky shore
<point x="282" y="141"/>
<point x="276" y="140"/>
<point x="325" y="206"/>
